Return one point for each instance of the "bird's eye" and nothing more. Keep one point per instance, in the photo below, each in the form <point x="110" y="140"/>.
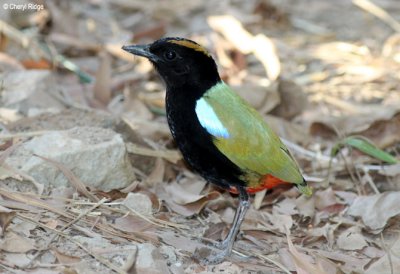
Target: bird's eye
<point x="170" y="55"/>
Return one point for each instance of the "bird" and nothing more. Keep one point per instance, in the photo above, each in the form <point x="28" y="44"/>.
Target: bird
<point x="219" y="134"/>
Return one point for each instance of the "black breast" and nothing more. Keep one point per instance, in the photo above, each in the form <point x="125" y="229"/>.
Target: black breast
<point x="196" y="144"/>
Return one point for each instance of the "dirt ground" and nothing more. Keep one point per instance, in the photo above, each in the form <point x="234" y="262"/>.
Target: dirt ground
<point x="91" y="181"/>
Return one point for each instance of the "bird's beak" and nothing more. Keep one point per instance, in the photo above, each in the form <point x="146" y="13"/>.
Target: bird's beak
<point x="142" y="50"/>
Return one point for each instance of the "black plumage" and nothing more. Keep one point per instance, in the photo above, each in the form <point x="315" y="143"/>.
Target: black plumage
<point x="193" y="86"/>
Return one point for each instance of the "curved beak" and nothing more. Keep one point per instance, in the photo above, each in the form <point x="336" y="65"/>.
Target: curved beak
<point x="142" y="50"/>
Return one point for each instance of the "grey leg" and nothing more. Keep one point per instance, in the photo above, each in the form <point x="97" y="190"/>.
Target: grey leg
<point x="227" y="244"/>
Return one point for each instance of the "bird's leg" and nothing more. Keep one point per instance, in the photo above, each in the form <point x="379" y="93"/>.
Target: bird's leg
<point x="227" y="244"/>
<point x="244" y="205"/>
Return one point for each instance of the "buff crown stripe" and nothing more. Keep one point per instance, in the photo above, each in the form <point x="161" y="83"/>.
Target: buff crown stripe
<point x="191" y="45"/>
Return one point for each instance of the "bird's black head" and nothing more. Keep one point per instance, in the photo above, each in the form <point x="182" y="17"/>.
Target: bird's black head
<point x="180" y="62"/>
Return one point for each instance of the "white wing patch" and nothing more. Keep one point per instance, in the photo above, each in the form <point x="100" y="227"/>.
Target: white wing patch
<point x="209" y="120"/>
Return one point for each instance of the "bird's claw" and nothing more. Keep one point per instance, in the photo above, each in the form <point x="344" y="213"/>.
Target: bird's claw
<point x="210" y="256"/>
<point x="221" y="244"/>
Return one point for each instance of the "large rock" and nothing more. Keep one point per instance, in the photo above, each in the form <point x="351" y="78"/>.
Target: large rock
<point x="95" y="155"/>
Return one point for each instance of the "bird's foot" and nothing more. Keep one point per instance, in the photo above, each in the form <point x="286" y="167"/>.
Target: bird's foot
<point x="221" y="244"/>
<point x="210" y="256"/>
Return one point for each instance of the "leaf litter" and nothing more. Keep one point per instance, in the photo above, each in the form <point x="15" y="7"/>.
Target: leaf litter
<point x="322" y="86"/>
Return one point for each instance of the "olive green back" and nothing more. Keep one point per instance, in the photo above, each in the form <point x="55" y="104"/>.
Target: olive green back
<point x="251" y="145"/>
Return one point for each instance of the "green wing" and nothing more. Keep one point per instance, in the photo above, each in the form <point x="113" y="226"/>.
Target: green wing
<point x="251" y="144"/>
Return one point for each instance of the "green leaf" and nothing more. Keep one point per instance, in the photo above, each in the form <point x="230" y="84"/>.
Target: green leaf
<point x="365" y="146"/>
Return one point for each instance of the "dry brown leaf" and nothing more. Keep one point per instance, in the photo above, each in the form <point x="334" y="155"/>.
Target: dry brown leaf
<point x="15" y="243"/>
<point x="286" y="206"/>
<point x="53" y="223"/>
<point x="349" y="264"/>
<point x="157" y="175"/>
<point x="302" y="261"/>
<point x="262" y="47"/>
<point x="376" y="210"/>
<point x="63" y="258"/>
<point x="320" y="231"/>
<point x="258" y="198"/>
<point x="6" y="216"/>
<point x="281" y="222"/>
<point x="306" y="206"/>
<point x="195" y="207"/>
<point x="185" y="199"/>
<point x="328" y="266"/>
<point x="116" y="194"/>
<point x="130" y="188"/>
<point x="346" y="197"/>
<point x="24" y="228"/>
<point x="260" y="220"/>
<point x="132" y="223"/>
<point x="377" y="122"/>
<point x="155" y="201"/>
<point x="16" y="259"/>
<point x="182" y="194"/>
<point x="373" y="252"/>
<point x="180" y="242"/>
<point x="260" y="97"/>
<point x="388" y="263"/>
<point x="324" y="198"/>
<point x="351" y="239"/>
